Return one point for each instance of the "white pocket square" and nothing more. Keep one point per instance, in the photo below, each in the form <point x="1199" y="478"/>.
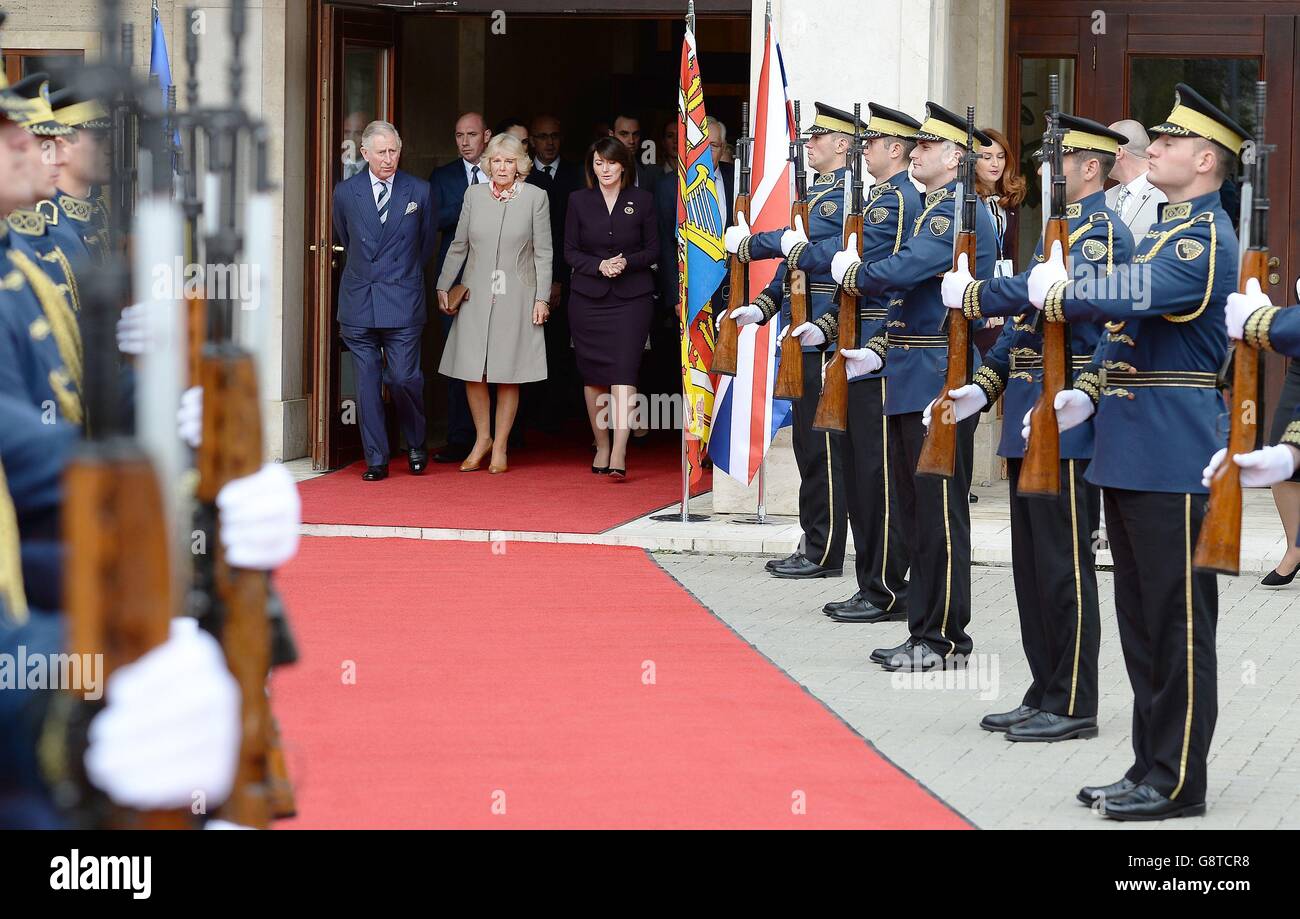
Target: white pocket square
<point x="411" y="207"/>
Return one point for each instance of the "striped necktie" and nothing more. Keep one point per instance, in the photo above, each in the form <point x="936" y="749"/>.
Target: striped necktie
<point x="1121" y="200"/>
<point x="382" y="202"/>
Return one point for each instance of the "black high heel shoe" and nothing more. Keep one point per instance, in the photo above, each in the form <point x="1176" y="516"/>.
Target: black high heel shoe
<point x="1273" y="579"/>
<point x="619" y="474"/>
<point x="600" y="470"/>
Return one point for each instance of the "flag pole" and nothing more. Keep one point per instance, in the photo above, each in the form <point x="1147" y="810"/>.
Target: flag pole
<point x="685" y="516"/>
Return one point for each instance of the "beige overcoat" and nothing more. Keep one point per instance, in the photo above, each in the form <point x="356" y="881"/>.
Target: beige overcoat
<point x="506" y="250"/>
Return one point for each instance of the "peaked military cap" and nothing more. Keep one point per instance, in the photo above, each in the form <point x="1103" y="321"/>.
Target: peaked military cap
<point x="40" y="117"/>
<point x="78" y="110"/>
<point x="1195" y="116"/>
<point x="830" y="119"/>
<point x="1086" y="134"/>
<point x="941" y="124"/>
<point x="888" y="122"/>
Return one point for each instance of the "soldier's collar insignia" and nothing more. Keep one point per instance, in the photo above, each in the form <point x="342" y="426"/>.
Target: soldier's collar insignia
<point x="939" y="225"/>
<point x="824" y="178"/>
<point x="1180" y="211"/>
<point x="76" y="208"/>
<point x="28" y="223"/>
<point x="1188" y="249"/>
<point x="49" y="210"/>
<point x="875" y="191"/>
<point x="1074" y="210"/>
<point x="1094" y="250"/>
<point x="935" y="197"/>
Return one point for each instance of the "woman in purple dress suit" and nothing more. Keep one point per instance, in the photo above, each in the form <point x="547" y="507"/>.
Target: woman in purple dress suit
<point x="610" y="241"/>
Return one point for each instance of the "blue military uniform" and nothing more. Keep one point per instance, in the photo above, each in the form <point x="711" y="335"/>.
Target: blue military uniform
<point x="913" y="346"/>
<point x="40" y="344"/>
<point x="33" y="234"/>
<point x="881" y="553"/>
<point x="823" y="512"/>
<point x="1053" y="543"/>
<point x="87" y="219"/>
<point x="32" y="458"/>
<point x="1157" y="423"/>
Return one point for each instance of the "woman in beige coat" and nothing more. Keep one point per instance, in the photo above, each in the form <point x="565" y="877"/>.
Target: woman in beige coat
<point x="503" y="238"/>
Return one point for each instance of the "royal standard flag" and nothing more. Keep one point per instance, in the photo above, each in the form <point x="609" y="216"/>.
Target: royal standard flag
<point x="701" y="258"/>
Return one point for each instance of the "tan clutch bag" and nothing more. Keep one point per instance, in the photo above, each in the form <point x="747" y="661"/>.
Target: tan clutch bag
<point x="456" y="296"/>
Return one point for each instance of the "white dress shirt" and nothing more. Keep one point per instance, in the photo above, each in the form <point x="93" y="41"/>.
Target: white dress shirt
<point x="469" y="173"/>
<point x="551" y="168"/>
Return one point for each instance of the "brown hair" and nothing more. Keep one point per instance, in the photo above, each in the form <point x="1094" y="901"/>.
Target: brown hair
<point x="610" y="148"/>
<point x="1011" y="184"/>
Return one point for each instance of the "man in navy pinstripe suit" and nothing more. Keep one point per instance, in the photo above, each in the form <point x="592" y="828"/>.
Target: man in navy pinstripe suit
<point x="385" y="219"/>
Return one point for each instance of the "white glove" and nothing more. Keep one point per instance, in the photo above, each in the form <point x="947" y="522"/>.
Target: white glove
<point x="1240" y="306"/>
<point x="845" y="259"/>
<point x="189" y="417"/>
<point x="1046" y="274"/>
<point x="131" y="330"/>
<point x="216" y="824"/>
<point x="744" y="315"/>
<point x="808" y="334"/>
<point x="966" y="401"/>
<point x="858" y="362"/>
<point x="1259" y="468"/>
<point x="171" y="725"/>
<point x="1073" y="408"/>
<point x="736" y="235"/>
<point x="791" y="238"/>
<point x="259" y="518"/>
<point x="955" y="283"/>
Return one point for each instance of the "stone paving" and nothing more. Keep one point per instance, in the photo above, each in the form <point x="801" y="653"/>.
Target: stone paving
<point x="932" y="731"/>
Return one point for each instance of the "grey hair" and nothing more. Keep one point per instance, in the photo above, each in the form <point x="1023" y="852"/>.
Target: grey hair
<point x="1138" y="139"/>
<point x="379" y="127"/>
<point x="722" y="127"/>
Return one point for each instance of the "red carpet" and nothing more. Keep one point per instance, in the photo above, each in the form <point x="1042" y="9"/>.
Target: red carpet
<point x="549" y="488"/>
<point x="517" y="679"/>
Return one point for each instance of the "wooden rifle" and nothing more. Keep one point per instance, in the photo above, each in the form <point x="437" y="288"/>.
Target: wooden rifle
<point x="119" y="587"/>
<point x="789" y="377"/>
<point x="1218" y="549"/>
<point x="725" y="350"/>
<point x="939" y="451"/>
<point x="1040" y="473"/>
<point x="232" y="602"/>
<point x="833" y="406"/>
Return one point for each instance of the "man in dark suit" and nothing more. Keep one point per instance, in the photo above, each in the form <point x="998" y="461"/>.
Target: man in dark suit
<point x="385" y="219"/>
<point x="449" y="182"/>
<point x="627" y="128"/>
<point x="560" y="178"/>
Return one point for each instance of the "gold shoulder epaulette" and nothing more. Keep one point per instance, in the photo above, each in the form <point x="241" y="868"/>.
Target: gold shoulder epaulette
<point x="49" y="210"/>
<point x="28" y="223"/>
<point x="76" y="208"/>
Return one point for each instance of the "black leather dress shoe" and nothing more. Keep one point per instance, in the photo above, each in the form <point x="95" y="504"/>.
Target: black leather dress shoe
<point x="1046" y="727"/>
<point x="920" y="658"/>
<point x="776" y="562"/>
<point x="1089" y="794"/>
<point x="1004" y="720"/>
<point x="882" y="655"/>
<point x="1145" y="803"/>
<point x="836" y="605"/>
<point x="866" y="611"/>
<point x="416" y="460"/>
<point x="452" y="453"/>
<point x="805" y="568"/>
<point x="374" y="473"/>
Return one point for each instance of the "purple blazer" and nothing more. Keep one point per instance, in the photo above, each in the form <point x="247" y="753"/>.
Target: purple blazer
<point x="593" y="234"/>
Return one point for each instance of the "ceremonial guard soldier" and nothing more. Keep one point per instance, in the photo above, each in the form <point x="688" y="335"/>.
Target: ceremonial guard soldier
<point x="79" y="198"/>
<point x="935" y="512"/>
<point x="40" y="344"/>
<point x="823" y="510"/>
<point x="1153" y="388"/>
<point x="893" y="204"/>
<point x="1053" y="538"/>
<point x="34" y="228"/>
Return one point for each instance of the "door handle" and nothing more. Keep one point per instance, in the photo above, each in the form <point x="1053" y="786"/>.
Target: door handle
<point x="1274" y="262"/>
<point x="339" y="249"/>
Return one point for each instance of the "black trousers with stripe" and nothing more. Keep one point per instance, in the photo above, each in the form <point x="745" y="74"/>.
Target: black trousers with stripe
<point x="823" y="510"/>
<point x="1168" y="615"/>
<point x="881" y="551"/>
<point x="936" y="525"/>
<point x="1053" y="543"/>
